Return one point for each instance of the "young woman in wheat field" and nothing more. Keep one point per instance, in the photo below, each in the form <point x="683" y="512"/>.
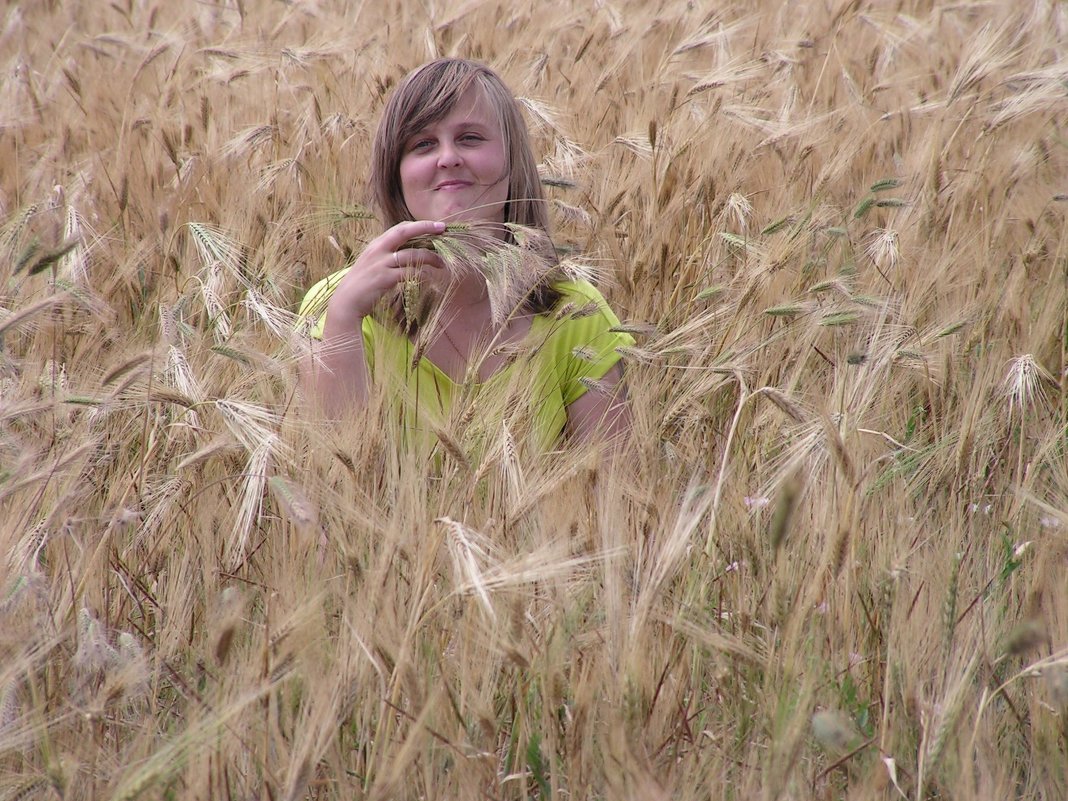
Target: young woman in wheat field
<point x="461" y="298"/>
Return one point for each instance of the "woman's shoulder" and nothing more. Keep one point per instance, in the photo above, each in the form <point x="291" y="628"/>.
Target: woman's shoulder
<point x="573" y="288"/>
<point x="579" y="296"/>
<point x="316" y="299"/>
<point x="577" y="293"/>
<point x="581" y="312"/>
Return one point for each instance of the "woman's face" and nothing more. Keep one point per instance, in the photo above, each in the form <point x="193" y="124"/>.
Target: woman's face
<point x="456" y="168"/>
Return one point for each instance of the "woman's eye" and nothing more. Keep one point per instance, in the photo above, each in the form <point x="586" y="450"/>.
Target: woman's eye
<point x="471" y="137"/>
<point x="422" y="144"/>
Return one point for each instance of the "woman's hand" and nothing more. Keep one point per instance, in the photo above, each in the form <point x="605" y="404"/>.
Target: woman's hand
<point x="337" y="377"/>
<point x="384" y="263"/>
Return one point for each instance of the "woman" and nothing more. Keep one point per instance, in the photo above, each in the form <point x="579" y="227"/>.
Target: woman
<point x="452" y="148"/>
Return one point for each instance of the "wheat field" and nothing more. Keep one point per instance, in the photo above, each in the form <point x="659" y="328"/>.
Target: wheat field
<point x="830" y="563"/>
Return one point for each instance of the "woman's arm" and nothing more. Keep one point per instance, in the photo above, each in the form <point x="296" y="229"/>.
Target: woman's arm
<point x="603" y="413"/>
<point x="336" y="376"/>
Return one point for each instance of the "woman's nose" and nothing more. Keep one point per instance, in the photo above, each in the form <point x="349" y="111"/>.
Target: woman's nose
<point x="448" y="155"/>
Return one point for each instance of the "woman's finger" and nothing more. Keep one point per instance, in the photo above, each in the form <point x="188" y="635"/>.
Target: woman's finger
<point x="396" y="237"/>
<point x="417" y="257"/>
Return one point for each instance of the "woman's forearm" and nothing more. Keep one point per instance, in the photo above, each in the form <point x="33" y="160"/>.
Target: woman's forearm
<point x="337" y="379"/>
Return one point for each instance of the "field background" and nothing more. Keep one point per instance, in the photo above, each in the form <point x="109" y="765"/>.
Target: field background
<point x="831" y="563"/>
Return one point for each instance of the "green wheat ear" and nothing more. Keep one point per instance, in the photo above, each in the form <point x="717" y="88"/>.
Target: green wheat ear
<point x="410" y="300"/>
<point x="335" y="215"/>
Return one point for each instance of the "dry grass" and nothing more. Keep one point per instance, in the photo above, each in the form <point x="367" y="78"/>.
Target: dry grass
<point x="832" y="563"/>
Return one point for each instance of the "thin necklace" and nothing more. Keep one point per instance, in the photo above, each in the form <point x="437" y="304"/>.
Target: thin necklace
<point x="464" y="357"/>
<point x="459" y="352"/>
<point x="469" y="370"/>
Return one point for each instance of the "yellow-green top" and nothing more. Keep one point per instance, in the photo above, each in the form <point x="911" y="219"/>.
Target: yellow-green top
<point x="565" y="347"/>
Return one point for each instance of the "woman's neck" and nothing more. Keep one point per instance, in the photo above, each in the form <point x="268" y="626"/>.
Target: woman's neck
<point x="467" y="299"/>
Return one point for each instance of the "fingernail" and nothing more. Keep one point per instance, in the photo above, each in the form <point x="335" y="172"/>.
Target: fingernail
<point x="439" y="227"/>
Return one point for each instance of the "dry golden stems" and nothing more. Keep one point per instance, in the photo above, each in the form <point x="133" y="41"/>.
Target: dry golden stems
<point x="802" y="203"/>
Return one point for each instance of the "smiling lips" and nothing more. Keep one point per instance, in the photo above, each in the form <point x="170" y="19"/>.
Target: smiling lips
<point x="447" y="185"/>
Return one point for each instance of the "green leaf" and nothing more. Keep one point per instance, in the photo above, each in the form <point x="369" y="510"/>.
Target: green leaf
<point x="558" y="182"/>
<point x="536" y="764"/>
<point x="49" y="257"/>
<point x="1011" y="563"/>
<point x="26" y="257"/>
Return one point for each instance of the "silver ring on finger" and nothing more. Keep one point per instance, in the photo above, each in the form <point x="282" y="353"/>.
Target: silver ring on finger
<point x="396" y="259"/>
